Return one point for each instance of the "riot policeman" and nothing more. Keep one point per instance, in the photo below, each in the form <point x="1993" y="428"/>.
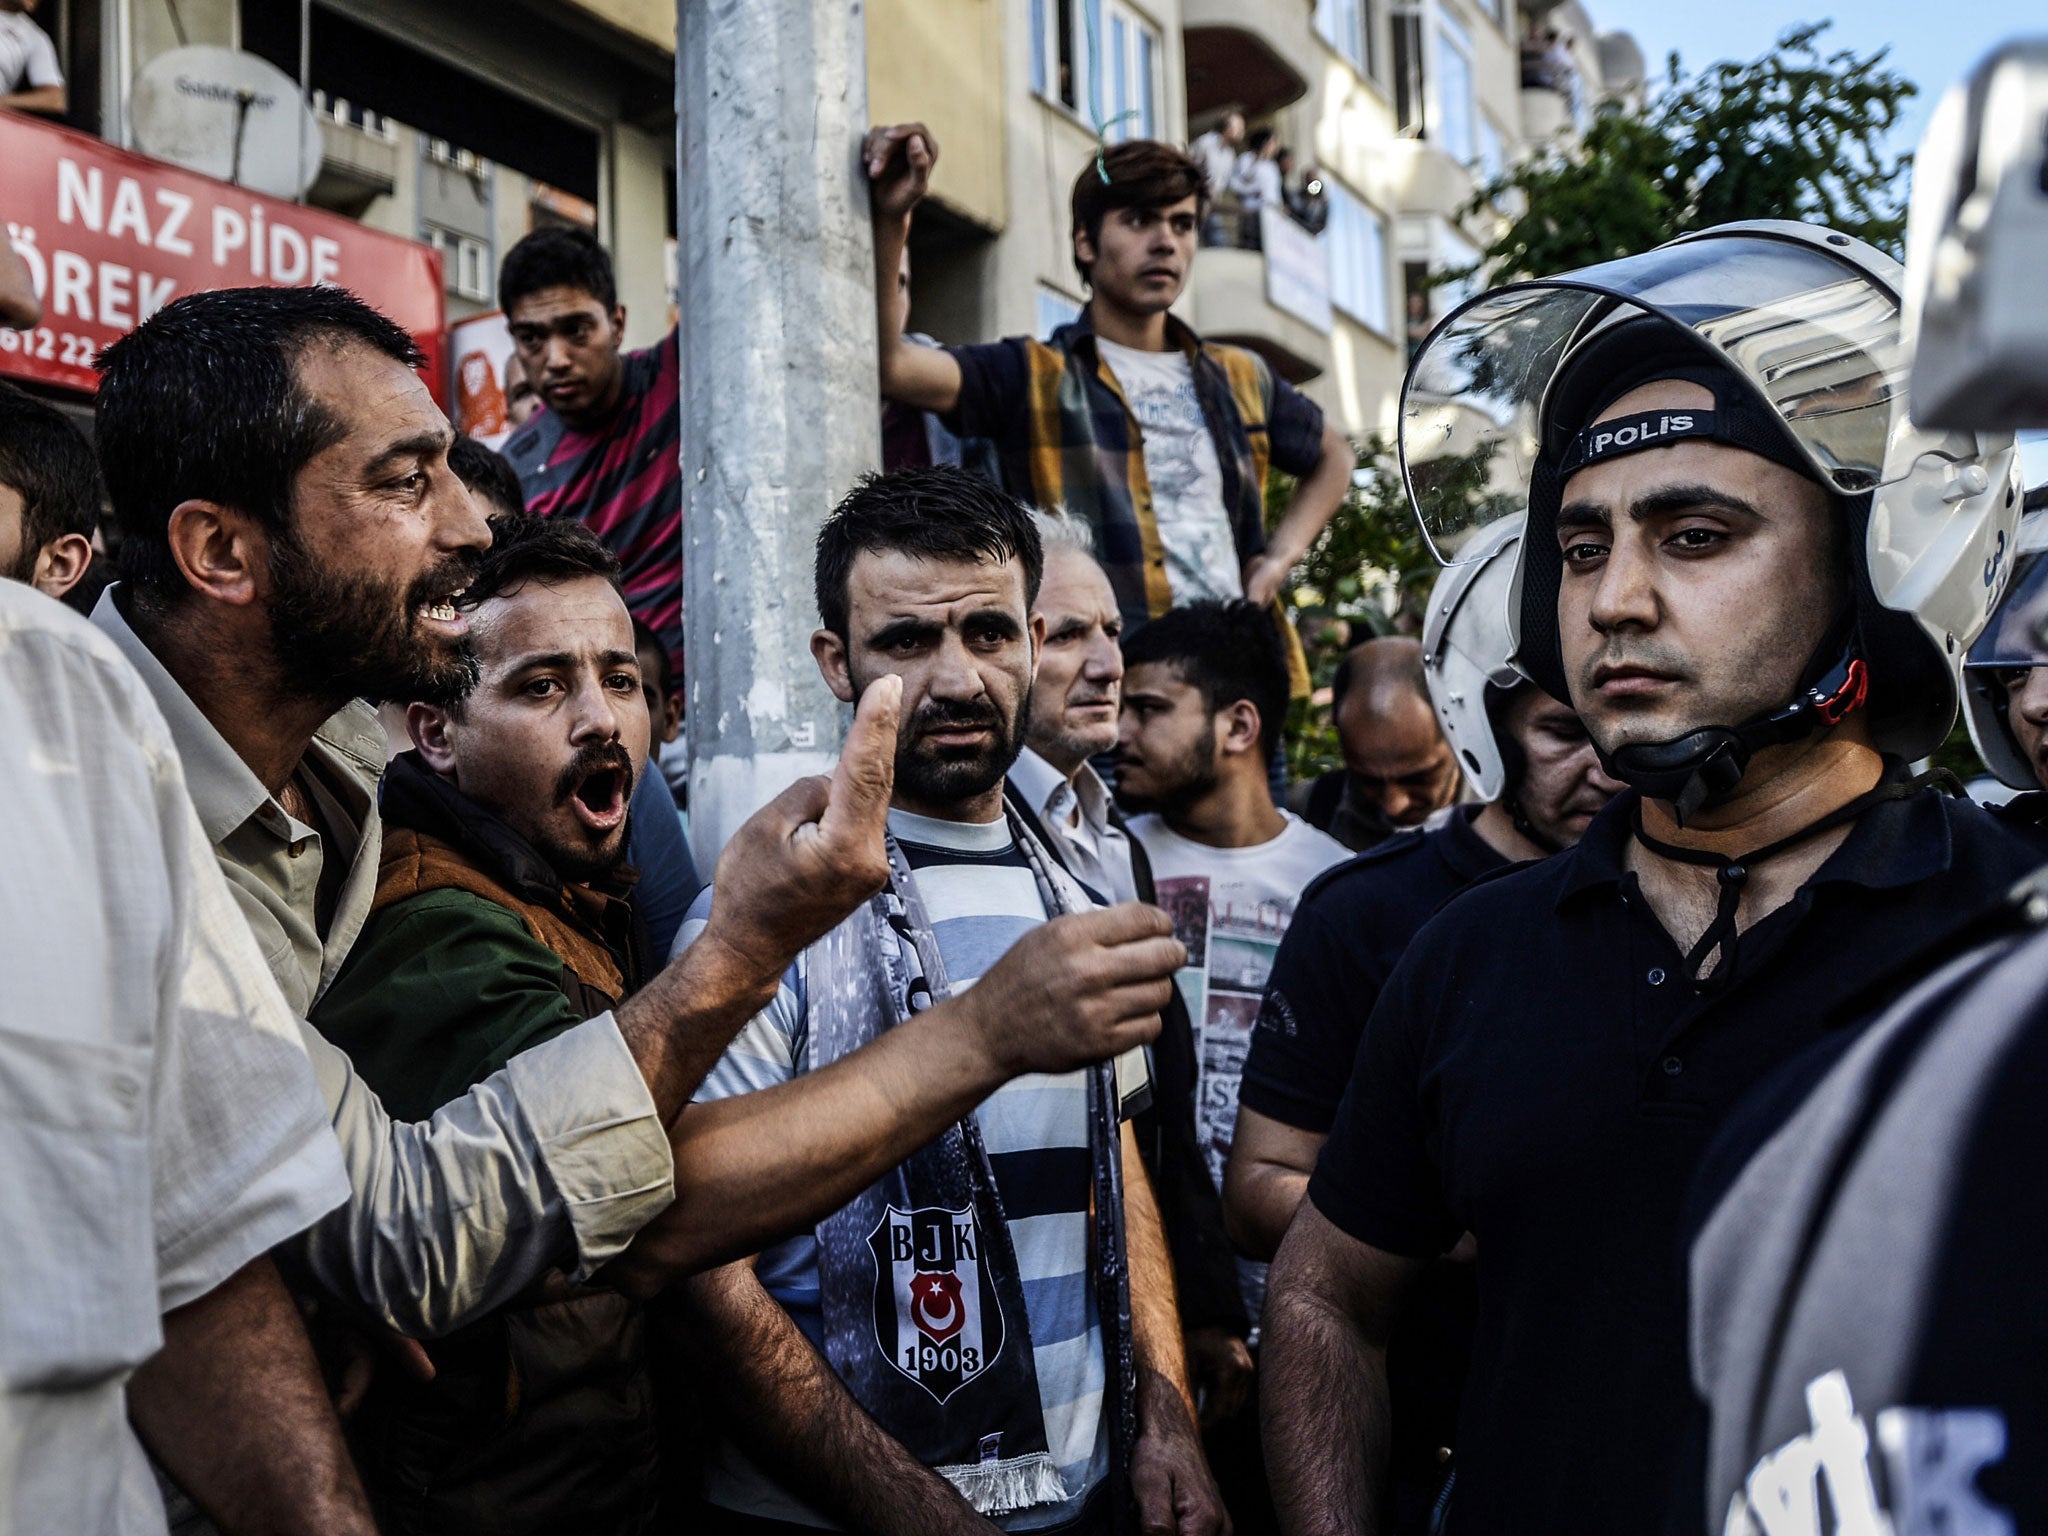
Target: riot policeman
<point x="1753" y="580"/>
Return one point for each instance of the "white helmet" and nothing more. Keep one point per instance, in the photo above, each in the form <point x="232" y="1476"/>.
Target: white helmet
<point x="1974" y="243"/>
<point x="1468" y="647"/>
<point x="1796" y="331"/>
<point x="2014" y="638"/>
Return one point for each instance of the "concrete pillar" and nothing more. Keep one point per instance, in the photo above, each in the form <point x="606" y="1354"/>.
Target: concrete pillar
<point x="779" y="407"/>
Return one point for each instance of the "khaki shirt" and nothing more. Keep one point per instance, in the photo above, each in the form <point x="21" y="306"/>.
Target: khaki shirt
<point x="558" y="1160"/>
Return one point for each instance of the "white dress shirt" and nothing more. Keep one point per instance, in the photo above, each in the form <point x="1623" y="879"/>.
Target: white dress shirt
<point x="160" y="1126"/>
<point x="558" y="1160"/>
<point x="1076" y="817"/>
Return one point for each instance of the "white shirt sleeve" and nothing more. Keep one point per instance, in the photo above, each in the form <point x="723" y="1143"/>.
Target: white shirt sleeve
<point x="39" y="59"/>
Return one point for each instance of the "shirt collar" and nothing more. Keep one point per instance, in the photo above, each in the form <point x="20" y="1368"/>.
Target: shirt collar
<point x="1036" y="780"/>
<point x="1895" y="843"/>
<point x="1080" y="331"/>
<point x="225" y="792"/>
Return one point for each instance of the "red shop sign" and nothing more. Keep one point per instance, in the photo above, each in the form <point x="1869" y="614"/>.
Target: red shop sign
<point x="111" y="237"/>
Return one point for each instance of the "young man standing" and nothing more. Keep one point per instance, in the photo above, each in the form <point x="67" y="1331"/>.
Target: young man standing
<point x="990" y="1330"/>
<point x="1159" y="441"/>
<point x="1716" y="536"/>
<point x="607" y="447"/>
<point x="49" y="495"/>
<point x="1204" y="699"/>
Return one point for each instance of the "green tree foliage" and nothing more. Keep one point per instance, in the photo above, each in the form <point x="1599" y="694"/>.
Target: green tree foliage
<point x="1368" y="573"/>
<point x="1795" y="134"/>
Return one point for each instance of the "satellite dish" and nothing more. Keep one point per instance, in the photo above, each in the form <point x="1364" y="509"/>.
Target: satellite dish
<point x="229" y="115"/>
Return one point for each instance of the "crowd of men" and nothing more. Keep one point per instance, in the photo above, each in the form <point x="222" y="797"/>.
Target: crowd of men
<point x="1048" y="1122"/>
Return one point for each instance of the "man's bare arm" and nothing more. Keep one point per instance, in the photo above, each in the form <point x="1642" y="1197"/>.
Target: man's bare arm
<point x="1330" y="1300"/>
<point x="791" y="873"/>
<point x="753" y="1169"/>
<point x="49" y="100"/>
<point x="19" y="306"/>
<point x="234" y="1408"/>
<point x="899" y="163"/>
<point x="791" y="1412"/>
<point x="1316" y="499"/>
<point x="1265" y="1180"/>
<point x="1170" y="1477"/>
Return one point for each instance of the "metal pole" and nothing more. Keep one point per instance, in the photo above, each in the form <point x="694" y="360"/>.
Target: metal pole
<point x="778" y="368"/>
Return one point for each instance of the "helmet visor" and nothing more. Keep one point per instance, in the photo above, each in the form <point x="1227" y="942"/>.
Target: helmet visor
<point x="2017" y="635"/>
<point x="1817" y="338"/>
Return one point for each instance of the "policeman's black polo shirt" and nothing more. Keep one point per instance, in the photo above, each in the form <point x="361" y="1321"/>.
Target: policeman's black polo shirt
<point x="1540" y="1073"/>
<point x="1353" y="923"/>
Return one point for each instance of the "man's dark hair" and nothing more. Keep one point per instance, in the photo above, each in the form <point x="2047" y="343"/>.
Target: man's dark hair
<point x="47" y="462"/>
<point x="1143" y="173"/>
<point x="557" y="256"/>
<point x="527" y="548"/>
<point x="1225" y="652"/>
<point x="203" y="400"/>
<point x="487" y="473"/>
<point x="1258" y="139"/>
<point x="931" y="512"/>
<point x="646" y="640"/>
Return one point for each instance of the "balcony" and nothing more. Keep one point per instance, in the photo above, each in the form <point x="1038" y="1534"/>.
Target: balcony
<point x="358" y="160"/>
<point x="1256" y="58"/>
<point x="1425" y="179"/>
<point x="1546" y="113"/>
<point x="1273" y="301"/>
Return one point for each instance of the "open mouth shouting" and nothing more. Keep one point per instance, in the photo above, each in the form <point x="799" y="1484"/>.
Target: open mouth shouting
<point x="597" y="788"/>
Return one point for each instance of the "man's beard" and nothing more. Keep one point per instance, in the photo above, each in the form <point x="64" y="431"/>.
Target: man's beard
<point x="347" y="636"/>
<point x="929" y="778"/>
<point x="1187" y="781"/>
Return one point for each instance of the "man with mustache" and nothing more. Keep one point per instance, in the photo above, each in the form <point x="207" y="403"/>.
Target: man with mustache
<point x="503" y="918"/>
<point x="1721" y="575"/>
<point x="989" y="1331"/>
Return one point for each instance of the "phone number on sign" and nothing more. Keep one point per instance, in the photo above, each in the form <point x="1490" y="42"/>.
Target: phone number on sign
<point x="67" y="348"/>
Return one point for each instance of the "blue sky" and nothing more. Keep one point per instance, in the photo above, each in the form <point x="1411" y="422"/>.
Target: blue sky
<point x="1933" y="44"/>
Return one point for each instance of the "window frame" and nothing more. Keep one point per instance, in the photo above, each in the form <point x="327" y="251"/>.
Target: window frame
<point x="1129" y="48"/>
<point x="1347" y="206"/>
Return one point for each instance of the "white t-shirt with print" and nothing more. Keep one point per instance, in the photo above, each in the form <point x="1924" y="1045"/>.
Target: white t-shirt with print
<point x="1181" y="464"/>
<point x="1231" y="907"/>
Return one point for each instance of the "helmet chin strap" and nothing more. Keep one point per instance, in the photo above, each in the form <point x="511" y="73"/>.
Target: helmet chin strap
<point x="1702" y="767"/>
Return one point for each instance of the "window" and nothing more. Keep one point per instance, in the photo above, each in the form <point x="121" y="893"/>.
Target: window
<point x="1409" y="117"/>
<point x="1493" y="160"/>
<point x="1118" y="75"/>
<point x="1055" y="309"/>
<point x="1455" y="134"/>
<point x="465" y="262"/>
<point x="1128" y="59"/>
<point x="1347" y="26"/>
<point x="1356" y="240"/>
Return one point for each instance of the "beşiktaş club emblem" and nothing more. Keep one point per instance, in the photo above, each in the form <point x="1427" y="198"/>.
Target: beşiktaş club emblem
<point x="936" y="1313"/>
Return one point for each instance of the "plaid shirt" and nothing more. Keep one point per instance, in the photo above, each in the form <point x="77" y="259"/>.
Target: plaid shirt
<point x="1066" y="438"/>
